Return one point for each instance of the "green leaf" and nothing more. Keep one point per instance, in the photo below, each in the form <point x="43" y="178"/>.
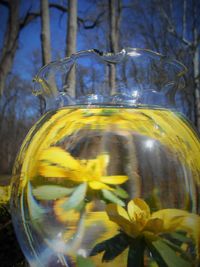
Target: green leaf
<point x="120" y="192"/>
<point x="112" y="247"/>
<point x="177" y="248"/>
<point x="165" y="256"/>
<point x="136" y="254"/>
<point x="98" y="248"/>
<point x="84" y="262"/>
<point x="181" y="237"/>
<point x="112" y="197"/>
<point x="76" y="198"/>
<point x="107" y="112"/>
<point x="36" y="211"/>
<point x="51" y="192"/>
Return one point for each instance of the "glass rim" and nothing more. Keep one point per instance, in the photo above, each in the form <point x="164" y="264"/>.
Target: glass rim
<point x="108" y="57"/>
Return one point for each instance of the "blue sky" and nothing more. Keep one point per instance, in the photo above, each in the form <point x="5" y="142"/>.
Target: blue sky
<point x="29" y="40"/>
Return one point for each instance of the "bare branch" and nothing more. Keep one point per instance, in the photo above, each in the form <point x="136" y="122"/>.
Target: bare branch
<point x="180" y="38"/>
<point x="87" y="24"/>
<point x="30" y="16"/>
<point x="59" y="7"/>
<point x="94" y="23"/>
<point x="172" y="28"/>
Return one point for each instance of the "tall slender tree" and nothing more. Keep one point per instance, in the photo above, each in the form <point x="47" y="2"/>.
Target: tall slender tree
<point x="45" y="32"/>
<point x="46" y="45"/>
<point x="10" y="41"/>
<point x="71" y="43"/>
<point x="196" y="64"/>
<point x="190" y="27"/>
<point x="11" y="37"/>
<point x="114" y="24"/>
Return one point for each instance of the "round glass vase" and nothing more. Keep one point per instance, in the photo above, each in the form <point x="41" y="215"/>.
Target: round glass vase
<point x="109" y="176"/>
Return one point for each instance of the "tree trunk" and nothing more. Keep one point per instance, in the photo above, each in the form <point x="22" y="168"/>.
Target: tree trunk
<point x="196" y="60"/>
<point x="11" y="38"/>
<point x="114" y="20"/>
<point x="196" y="66"/>
<point x="45" y="34"/>
<point x="71" y="43"/>
<point x="46" y="47"/>
<point x="114" y="14"/>
<point x="10" y="42"/>
<point x="193" y="45"/>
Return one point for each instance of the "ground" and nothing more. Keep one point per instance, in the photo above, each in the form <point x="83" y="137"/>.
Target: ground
<point x="10" y="252"/>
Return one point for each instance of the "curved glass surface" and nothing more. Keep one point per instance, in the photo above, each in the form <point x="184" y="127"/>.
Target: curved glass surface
<point x="110" y="175"/>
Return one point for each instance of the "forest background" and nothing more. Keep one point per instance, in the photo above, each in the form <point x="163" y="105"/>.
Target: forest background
<point x="33" y="33"/>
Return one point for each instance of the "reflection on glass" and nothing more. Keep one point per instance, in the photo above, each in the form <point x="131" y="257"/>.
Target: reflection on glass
<point x="149" y="144"/>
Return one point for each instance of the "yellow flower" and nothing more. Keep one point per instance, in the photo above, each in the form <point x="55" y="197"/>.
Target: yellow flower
<point x="4" y="194"/>
<point x="71" y="216"/>
<point x="138" y="220"/>
<point x="55" y="162"/>
<point x="156" y="124"/>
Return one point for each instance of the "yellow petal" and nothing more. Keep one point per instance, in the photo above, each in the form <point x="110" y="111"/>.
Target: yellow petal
<point x="60" y="157"/>
<point x="138" y="210"/>
<point x="142" y="205"/>
<point x="172" y="218"/>
<point x="116" y="212"/>
<point x="103" y="160"/>
<point x="96" y="185"/>
<point x="114" y="179"/>
<point x="56" y="162"/>
<point x="5" y="194"/>
<point x="52" y="171"/>
<point x="119" y="215"/>
<point x="92" y="167"/>
<point x="101" y="165"/>
<point x="70" y="217"/>
<point x="96" y="167"/>
<point x="47" y="170"/>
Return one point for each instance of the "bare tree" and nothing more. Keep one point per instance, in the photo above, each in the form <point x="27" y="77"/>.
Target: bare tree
<point x="71" y="42"/>
<point x="11" y="37"/>
<point x="45" y="34"/>
<point x="16" y="118"/>
<point x="46" y="46"/>
<point x="10" y="41"/>
<point x="196" y="64"/>
<point x="114" y="24"/>
<point x="189" y="9"/>
<point x="171" y="28"/>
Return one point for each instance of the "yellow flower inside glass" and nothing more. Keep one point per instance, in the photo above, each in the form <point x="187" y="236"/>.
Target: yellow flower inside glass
<point x="113" y="183"/>
<point x="81" y="171"/>
<point x="55" y="162"/>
